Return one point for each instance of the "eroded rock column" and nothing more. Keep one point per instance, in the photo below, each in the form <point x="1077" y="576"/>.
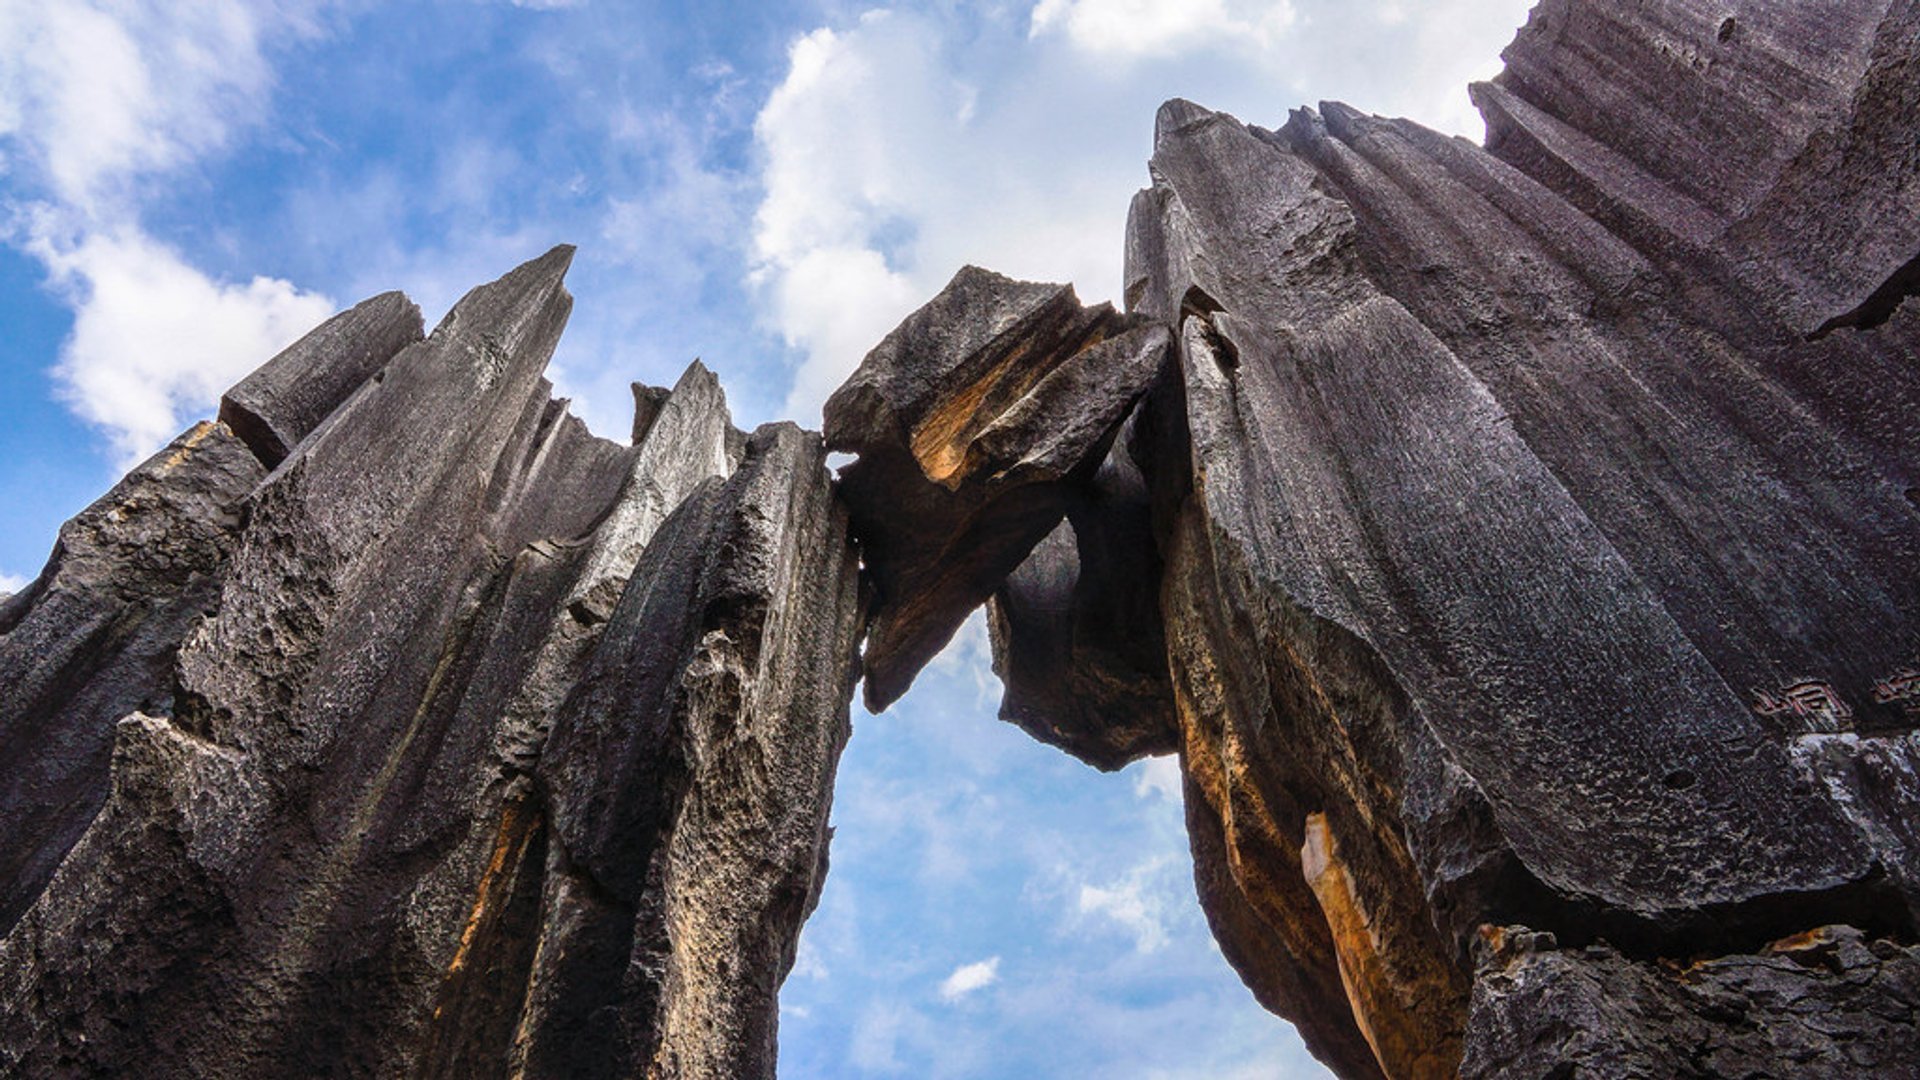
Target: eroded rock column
<point x="411" y="729"/>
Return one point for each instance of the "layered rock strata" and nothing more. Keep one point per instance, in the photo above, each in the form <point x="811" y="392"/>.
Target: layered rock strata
<point x="396" y="725"/>
<point x="1520" y="537"/>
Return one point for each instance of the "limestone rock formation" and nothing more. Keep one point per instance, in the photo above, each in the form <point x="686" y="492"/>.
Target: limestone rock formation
<point x="396" y="725"/>
<point x="1516" y="543"/>
<point x="971" y="421"/>
<point x="1527" y="536"/>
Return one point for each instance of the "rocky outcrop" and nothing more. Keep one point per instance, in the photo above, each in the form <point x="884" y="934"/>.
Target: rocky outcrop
<point x="1516" y="544"/>
<point x="972" y="421"/>
<point x="396" y="725"/>
<point x="1520" y="537"/>
<point x="1826" y="1002"/>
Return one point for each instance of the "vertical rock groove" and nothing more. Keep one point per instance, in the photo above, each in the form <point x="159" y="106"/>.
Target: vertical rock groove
<point x="1516" y="546"/>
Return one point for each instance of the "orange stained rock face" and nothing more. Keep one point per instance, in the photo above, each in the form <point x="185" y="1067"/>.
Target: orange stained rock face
<point x="518" y="821"/>
<point x="1496" y="940"/>
<point x="941" y="439"/>
<point x="1282" y="722"/>
<point x="1408" y="1044"/>
<point x="485" y="985"/>
<point x="1254" y="860"/>
<point x="1260" y="852"/>
<point x="1815" y="938"/>
<point x="194" y="438"/>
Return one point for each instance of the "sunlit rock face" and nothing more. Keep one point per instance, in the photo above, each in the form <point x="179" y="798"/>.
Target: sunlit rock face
<point x="396" y="725"/>
<point x="1518" y="544"/>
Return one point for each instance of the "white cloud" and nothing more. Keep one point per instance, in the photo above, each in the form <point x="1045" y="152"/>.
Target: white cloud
<point x="876" y="1036"/>
<point x="882" y="1032"/>
<point x="100" y="98"/>
<point x="968" y="659"/>
<point x="11" y="583"/>
<point x="807" y="963"/>
<point x="1133" y="28"/>
<point x="832" y="179"/>
<point x="882" y="162"/>
<point x="100" y="94"/>
<point x="1138" y="904"/>
<point x="906" y="144"/>
<point x="836" y="303"/>
<point x="969" y="978"/>
<point x="1158" y="777"/>
<point x="155" y="341"/>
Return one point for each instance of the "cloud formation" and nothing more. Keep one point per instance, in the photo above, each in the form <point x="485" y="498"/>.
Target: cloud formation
<point x="1158" y="777"/>
<point x="912" y="141"/>
<point x="154" y="340"/>
<point x="1137" y="904"/>
<point x="1134" y="28"/>
<point x="99" y="100"/>
<point x="969" y="978"/>
<point x="99" y="95"/>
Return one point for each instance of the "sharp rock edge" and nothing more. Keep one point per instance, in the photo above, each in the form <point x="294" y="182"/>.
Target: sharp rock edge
<point x="395" y="725"/>
<point x="1516" y="544"/>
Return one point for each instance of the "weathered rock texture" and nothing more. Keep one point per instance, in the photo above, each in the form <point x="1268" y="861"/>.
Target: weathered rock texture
<point x="973" y="421"/>
<point x="396" y="725"/>
<point x="1521" y="536"/>
<point x="1517" y="544"/>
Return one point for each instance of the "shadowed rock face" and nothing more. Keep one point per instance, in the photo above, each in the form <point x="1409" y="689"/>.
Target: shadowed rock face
<point x="1520" y="537"/>
<point x="975" y="420"/>
<point x="396" y="725"/>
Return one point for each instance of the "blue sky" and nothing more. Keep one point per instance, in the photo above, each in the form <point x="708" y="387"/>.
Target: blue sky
<point x="185" y="188"/>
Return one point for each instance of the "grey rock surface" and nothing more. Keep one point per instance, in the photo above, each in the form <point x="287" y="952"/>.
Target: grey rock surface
<point x="1516" y="544"/>
<point x="1828" y="1002"/>
<point x="282" y="402"/>
<point x="95" y="636"/>
<point x="972" y="421"/>
<point x="329" y="733"/>
<point x="1531" y="535"/>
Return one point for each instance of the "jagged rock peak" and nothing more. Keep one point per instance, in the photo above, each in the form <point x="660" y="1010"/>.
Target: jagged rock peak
<point x="334" y="704"/>
<point x="1523" y="546"/>
<point x="1515" y="543"/>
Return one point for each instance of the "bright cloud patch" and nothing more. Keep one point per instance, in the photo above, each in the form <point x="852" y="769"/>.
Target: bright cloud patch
<point x="969" y="978"/>
<point x="99" y="93"/>
<point x="156" y="341"/>
<point x="1137" y="904"/>
<point x="969" y="657"/>
<point x="832" y="178"/>
<point x="1158" y="777"/>
<point x="1128" y="28"/>
<point x="907" y="144"/>
<point x="888" y="166"/>
<point x="99" y="98"/>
